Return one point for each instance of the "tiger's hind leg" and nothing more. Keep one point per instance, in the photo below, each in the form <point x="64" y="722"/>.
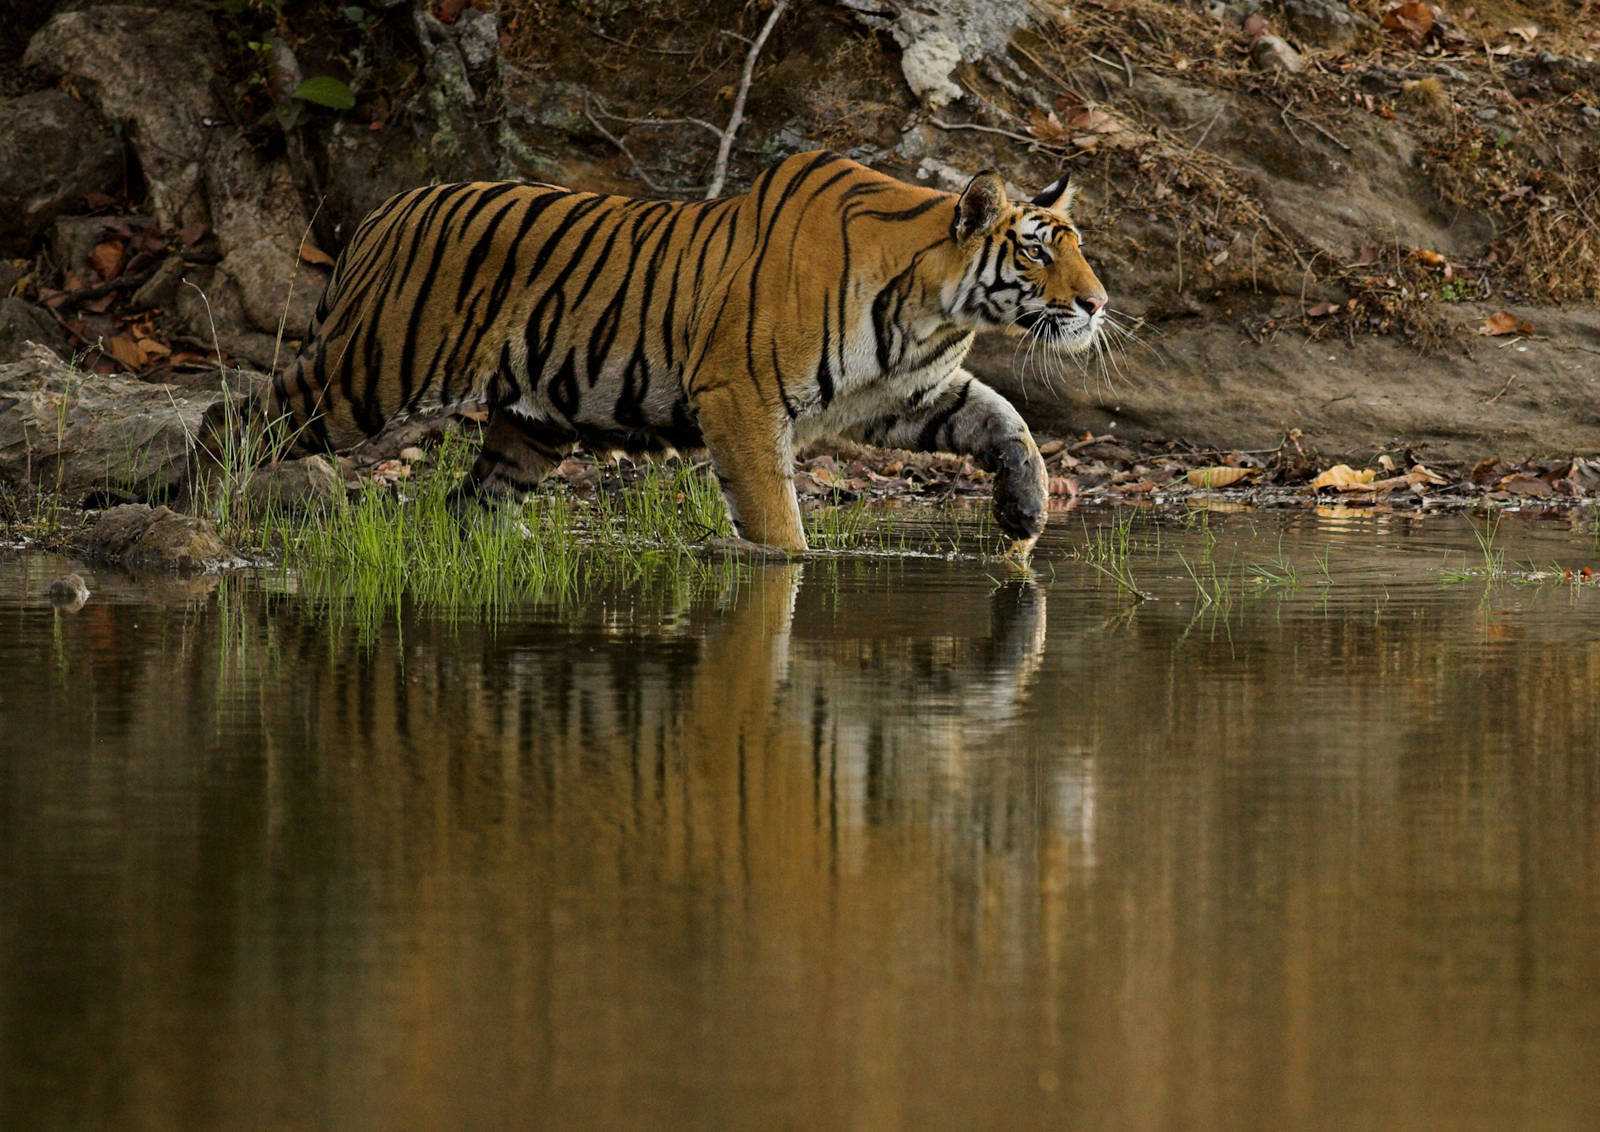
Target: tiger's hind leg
<point x="518" y="452"/>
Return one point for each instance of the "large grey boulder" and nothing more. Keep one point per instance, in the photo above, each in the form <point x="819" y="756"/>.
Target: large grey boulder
<point x="78" y="433"/>
<point x="53" y="151"/>
<point x="1211" y="384"/>
<point x="260" y="224"/>
<point x="151" y="67"/>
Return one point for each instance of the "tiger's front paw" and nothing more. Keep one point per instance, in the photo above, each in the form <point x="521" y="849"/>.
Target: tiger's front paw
<point x="1021" y="491"/>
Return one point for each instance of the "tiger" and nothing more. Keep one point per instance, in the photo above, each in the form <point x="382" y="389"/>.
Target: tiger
<point x="830" y="300"/>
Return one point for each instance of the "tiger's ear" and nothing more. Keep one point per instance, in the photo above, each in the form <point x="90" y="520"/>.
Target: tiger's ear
<point x="1057" y="194"/>
<point x="980" y="205"/>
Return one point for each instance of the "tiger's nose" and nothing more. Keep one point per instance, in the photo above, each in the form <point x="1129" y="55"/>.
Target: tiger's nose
<point x="1091" y="304"/>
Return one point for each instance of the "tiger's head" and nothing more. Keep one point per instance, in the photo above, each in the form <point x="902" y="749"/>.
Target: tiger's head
<point x="1024" y="270"/>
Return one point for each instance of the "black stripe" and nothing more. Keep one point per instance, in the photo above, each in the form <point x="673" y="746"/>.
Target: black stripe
<point x="769" y="225"/>
<point x="777" y="372"/>
<point x="486" y="241"/>
<point x="564" y="388"/>
<point x="898" y="215"/>
<point x="928" y="441"/>
<point x="502" y="283"/>
<point x="418" y="288"/>
<point x="824" y="370"/>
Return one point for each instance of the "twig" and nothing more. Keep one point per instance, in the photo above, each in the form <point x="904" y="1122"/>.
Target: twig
<point x="1127" y="67"/>
<point x="131" y="282"/>
<point x="1331" y="137"/>
<point x="638" y="170"/>
<point x="1103" y="61"/>
<point x="1088" y="442"/>
<point x="943" y="125"/>
<point x="1283" y="116"/>
<point x="1205" y="132"/>
<point x="1503" y="388"/>
<point x="719" y="172"/>
<point x="701" y="122"/>
<point x="641" y="47"/>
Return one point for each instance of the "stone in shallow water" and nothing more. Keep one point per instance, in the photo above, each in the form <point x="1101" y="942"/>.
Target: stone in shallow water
<point x="141" y="537"/>
<point x="69" y="593"/>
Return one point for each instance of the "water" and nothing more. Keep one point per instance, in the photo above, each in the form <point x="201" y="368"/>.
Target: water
<point x="864" y="842"/>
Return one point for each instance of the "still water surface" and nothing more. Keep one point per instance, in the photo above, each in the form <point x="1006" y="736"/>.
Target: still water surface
<point x="859" y="842"/>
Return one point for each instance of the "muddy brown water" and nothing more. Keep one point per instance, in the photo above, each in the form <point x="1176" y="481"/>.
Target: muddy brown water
<point x="860" y="842"/>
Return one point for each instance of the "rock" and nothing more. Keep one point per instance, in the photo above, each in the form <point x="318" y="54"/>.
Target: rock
<point x="213" y="312"/>
<point x="161" y="289"/>
<point x="936" y="36"/>
<point x="260" y="224"/>
<point x="69" y="593"/>
<point x="150" y="67"/>
<point x="296" y="485"/>
<point x="53" y="151"/>
<point x="13" y="271"/>
<point x="72" y="238"/>
<point x="1321" y="23"/>
<point x="1211" y="384"/>
<point x="140" y="537"/>
<point x="77" y="433"/>
<point x="21" y="323"/>
<point x="1271" y="52"/>
<point x="365" y="168"/>
<point x="462" y="125"/>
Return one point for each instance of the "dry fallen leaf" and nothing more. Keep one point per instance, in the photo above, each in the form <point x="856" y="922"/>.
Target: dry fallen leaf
<point x="1320" y="309"/>
<point x="391" y="470"/>
<point x="126" y="351"/>
<point x="1095" y="121"/>
<point x="1525" y="32"/>
<point x="1046" y="126"/>
<point x="1503" y="322"/>
<point x="107" y="259"/>
<point x="1412" y="20"/>
<point x="1431" y="258"/>
<point x="1219" y="476"/>
<point x="313" y="254"/>
<point x="1520" y="484"/>
<point x="1416" y="479"/>
<point x="1343" y="477"/>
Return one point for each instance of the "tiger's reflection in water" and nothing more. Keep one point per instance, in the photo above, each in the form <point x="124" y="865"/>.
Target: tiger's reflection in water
<point x="775" y="698"/>
<point x="585" y="832"/>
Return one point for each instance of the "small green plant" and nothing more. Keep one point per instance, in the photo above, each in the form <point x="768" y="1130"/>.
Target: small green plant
<point x="1276" y="573"/>
<point x="1109" y="550"/>
<point x="1493" y="566"/>
<point x="846" y="525"/>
